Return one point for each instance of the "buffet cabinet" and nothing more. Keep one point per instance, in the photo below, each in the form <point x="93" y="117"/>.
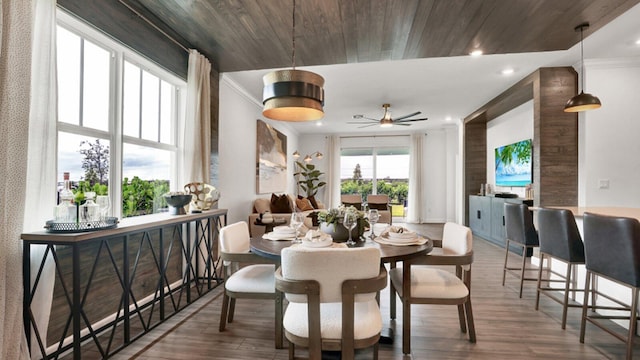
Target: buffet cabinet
<point x="114" y="285"/>
<point x="486" y="217"/>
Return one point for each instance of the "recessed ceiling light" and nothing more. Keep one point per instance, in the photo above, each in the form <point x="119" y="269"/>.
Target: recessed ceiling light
<point x="507" y="71"/>
<point x="448" y="118"/>
<point x="638" y="42"/>
<point x="476" y="53"/>
<point x="318" y="123"/>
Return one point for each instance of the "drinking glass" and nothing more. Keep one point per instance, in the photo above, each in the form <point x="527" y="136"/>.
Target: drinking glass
<point x="373" y="219"/>
<point x="297" y="219"/>
<point x="104" y="205"/>
<point x="350" y="220"/>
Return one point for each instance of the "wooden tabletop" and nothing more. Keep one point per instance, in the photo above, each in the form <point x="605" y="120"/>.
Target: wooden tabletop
<point x="388" y="253"/>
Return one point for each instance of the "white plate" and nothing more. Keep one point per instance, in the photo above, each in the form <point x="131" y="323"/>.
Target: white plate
<point x="284" y="230"/>
<point x="407" y="240"/>
<point x="327" y="241"/>
<point x="276" y="237"/>
<point x="416" y="241"/>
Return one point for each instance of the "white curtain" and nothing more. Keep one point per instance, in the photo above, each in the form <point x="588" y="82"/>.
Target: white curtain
<point x="416" y="183"/>
<point x="16" y="19"/>
<point x="333" y="174"/>
<point x="40" y="197"/>
<point x="197" y="127"/>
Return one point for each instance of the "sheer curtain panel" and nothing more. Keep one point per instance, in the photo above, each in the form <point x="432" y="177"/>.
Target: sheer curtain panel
<point x="197" y="126"/>
<point x="333" y="175"/>
<point x="40" y="197"/>
<point x="416" y="183"/>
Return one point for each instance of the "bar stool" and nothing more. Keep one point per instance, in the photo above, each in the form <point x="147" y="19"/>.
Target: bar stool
<point x="520" y="232"/>
<point x="559" y="239"/>
<point x="612" y="250"/>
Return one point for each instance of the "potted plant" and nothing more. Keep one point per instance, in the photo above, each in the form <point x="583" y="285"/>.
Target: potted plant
<point x="331" y="223"/>
<point x="309" y="178"/>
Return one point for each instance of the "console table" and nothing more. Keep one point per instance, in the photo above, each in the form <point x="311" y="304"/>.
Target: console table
<point x="118" y="284"/>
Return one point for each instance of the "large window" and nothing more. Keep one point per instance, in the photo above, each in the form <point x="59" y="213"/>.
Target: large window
<point x="118" y="116"/>
<point x="376" y="171"/>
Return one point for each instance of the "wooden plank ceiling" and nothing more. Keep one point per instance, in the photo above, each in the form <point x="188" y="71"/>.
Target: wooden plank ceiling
<point x="251" y="34"/>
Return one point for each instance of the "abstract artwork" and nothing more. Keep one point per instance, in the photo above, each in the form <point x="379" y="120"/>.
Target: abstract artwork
<point x="271" y="164"/>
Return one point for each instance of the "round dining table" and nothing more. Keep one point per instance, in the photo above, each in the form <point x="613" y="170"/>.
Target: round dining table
<point x="388" y="254"/>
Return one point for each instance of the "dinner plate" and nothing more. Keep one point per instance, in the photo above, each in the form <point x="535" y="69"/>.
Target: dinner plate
<point x="276" y="237"/>
<point x="325" y="242"/>
<point x="397" y="240"/>
<point x="416" y="241"/>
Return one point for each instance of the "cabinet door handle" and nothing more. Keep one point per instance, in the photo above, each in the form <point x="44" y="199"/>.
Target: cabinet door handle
<point x="503" y="222"/>
<point x="479" y="216"/>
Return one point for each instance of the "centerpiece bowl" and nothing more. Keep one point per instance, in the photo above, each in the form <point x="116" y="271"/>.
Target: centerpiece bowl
<point x="177" y="203"/>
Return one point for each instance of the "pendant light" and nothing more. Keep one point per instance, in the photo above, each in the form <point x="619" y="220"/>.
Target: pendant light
<point x="293" y="95"/>
<point x="582" y="101"/>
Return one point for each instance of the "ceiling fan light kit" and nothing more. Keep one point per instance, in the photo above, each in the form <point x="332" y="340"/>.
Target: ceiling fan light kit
<point x="583" y="101"/>
<point x="293" y="95"/>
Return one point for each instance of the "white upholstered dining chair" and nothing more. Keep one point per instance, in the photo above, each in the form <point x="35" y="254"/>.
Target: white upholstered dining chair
<point x="253" y="281"/>
<point x="332" y="299"/>
<point x="435" y="285"/>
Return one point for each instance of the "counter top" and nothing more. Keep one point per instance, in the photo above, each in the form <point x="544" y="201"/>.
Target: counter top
<point x="578" y="211"/>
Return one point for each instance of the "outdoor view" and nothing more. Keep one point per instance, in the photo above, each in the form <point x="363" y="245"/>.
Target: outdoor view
<point x="376" y="171"/>
<point x="86" y="126"/>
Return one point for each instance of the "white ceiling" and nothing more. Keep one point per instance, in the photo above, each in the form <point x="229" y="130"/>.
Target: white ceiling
<point x="440" y="88"/>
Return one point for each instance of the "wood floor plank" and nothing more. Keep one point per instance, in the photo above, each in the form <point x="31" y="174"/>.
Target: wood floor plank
<point x="506" y="327"/>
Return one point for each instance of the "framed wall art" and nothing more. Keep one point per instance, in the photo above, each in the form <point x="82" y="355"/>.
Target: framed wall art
<point x="271" y="155"/>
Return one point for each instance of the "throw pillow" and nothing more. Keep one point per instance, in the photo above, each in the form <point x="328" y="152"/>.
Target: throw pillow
<point x="280" y="204"/>
<point x="304" y="204"/>
<point x="312" y="200"/>
<point x="378" y="206"/>
<point x="260" y="206"/>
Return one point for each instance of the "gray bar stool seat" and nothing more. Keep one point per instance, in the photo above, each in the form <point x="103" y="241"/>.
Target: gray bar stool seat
<point x="612" y="251"/>
<point x="520" y="232"/>
<point x="560" y="240"/>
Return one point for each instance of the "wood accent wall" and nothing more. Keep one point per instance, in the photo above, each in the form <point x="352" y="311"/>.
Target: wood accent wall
<point x="555" y="136"/>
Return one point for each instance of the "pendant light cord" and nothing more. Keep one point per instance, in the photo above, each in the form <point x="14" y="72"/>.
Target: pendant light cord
<point x="293" y="38"/>
<point x="581" y="58"/>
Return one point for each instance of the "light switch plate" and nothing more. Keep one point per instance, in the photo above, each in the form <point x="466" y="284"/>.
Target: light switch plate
<point x="603" y="184"/>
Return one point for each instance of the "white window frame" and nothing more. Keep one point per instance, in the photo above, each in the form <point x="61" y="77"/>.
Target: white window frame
<point x="120" y="53"/>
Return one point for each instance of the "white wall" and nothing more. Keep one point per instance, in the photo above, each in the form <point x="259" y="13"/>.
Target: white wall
<point x="309" y="144"/>
<point x="508" y="128"/>
<point x="237" y="149"/>
<point x="440" y="150"/>
<point x="610" y="136"/>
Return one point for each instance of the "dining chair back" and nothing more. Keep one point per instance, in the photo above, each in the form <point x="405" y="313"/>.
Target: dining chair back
<point x="427" y="284"/>
<point x="332" y="299"/>
<point x="254" y="280"/>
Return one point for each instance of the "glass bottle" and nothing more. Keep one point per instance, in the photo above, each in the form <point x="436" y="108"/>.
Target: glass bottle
<point x="65" y="211"/>
<point x="90" y="210"/>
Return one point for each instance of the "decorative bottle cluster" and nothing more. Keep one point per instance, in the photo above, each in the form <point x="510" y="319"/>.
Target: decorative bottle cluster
<point x="65" y="211"/>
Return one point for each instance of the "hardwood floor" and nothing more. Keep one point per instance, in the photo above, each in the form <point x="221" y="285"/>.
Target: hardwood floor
<point x="507" y="327"/>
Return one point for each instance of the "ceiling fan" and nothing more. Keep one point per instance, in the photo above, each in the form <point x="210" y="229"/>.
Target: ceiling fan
<point x="386" y="120"/>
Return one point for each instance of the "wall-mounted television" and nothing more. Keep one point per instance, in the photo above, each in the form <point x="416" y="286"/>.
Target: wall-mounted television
<point x="514" y="166"/>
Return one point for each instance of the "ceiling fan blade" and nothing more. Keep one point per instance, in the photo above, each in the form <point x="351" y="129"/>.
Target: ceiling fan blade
<point x="407" y="116"/>
<point x="401" y="124"/>
<point x="360" y="127"/>
<point x="410" y="120"/>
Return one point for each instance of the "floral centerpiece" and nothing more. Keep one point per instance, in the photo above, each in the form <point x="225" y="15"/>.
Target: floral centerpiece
<point x="331" y="222"/>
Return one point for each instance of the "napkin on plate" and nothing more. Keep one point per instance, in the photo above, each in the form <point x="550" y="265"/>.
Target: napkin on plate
<point x="399" y="233"/>
<point x="316" y="238"/>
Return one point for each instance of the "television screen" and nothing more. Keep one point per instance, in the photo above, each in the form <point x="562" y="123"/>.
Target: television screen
<point x="513" y="164"/>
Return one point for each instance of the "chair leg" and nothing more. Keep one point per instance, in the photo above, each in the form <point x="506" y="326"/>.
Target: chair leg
<point x="232" y="309"/>
<point x="506" y="258"/>
<point x="565" y="302"/>
<point x="278" y="320"/>
<point x="463" y="323"/>
<point x="223" y="312"/>
<point x="632" y="322"/>
<point x="375" y="351"/>
<point x="406" y="327"/>
<point x="524" y="263"/>
<point x="539" y="281"/>
<point x="292" y="351"/>
<point x="585" y="305"/>
<point x="470" y="324"/>
<point x="392" y="295"/>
